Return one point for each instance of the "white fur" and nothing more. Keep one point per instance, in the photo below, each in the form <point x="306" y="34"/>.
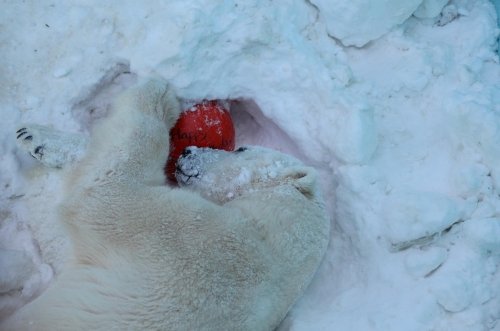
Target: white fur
<point x="51" y="147"/>
<point x="147" y="256"/>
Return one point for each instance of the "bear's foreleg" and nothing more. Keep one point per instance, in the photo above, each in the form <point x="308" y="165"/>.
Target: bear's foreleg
<point x="132" y="144"/>
<point x="126" y="156"/>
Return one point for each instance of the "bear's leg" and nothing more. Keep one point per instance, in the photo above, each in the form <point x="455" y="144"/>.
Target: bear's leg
<point x="124" y="162"/>
<point x="51" y="147"/>
<point x="132" y="144"/>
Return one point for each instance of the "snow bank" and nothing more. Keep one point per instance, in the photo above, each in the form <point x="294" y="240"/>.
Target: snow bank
<point x="404" y="132"/>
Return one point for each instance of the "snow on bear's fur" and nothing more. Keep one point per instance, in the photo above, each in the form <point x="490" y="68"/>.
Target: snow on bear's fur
<point x="232" y="249"/>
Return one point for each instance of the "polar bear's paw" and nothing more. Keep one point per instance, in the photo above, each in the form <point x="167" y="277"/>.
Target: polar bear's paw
<point x="190" y="165"/>
<point x="221" y="176"/>
<point x="51" y="147"/>
<point x="30" y="142"/>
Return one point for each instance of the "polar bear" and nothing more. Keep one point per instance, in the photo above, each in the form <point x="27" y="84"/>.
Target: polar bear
<point x="232" y="248"/>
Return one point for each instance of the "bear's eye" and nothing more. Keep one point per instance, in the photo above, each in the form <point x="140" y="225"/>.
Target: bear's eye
<point x="241" y="149"/>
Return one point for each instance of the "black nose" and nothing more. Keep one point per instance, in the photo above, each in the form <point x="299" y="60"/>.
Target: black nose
<point x="241" y="149"/>
<point x="186" y="151"/>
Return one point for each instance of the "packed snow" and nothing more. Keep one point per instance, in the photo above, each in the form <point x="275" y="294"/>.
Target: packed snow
<point x="396" y="103"/>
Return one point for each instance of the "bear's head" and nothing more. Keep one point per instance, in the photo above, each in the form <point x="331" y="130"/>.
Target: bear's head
<point x="221" y="176"/>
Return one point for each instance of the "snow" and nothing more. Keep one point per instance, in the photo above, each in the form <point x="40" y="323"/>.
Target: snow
<point x="430" y="8"/>
<point x="398" y="112"/>
<point x="357" y="22"/>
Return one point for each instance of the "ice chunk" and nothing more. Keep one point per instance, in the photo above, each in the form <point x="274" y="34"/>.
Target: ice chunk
<point x="413" y="215"/>
<point x="421" y="263"/>
<point x="430" y="8"/>
<point x="454" y="295"/>
<point x="356" y="22"/>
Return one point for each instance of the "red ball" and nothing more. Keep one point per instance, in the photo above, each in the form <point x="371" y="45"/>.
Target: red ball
<point x="207" y="124"/>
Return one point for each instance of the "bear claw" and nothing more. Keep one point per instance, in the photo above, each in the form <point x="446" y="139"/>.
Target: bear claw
<point x="39" y="151"/>
<point x="21" y="132"/>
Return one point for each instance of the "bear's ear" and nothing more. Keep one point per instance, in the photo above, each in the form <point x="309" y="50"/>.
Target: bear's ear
<point x="303" y="179"/>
